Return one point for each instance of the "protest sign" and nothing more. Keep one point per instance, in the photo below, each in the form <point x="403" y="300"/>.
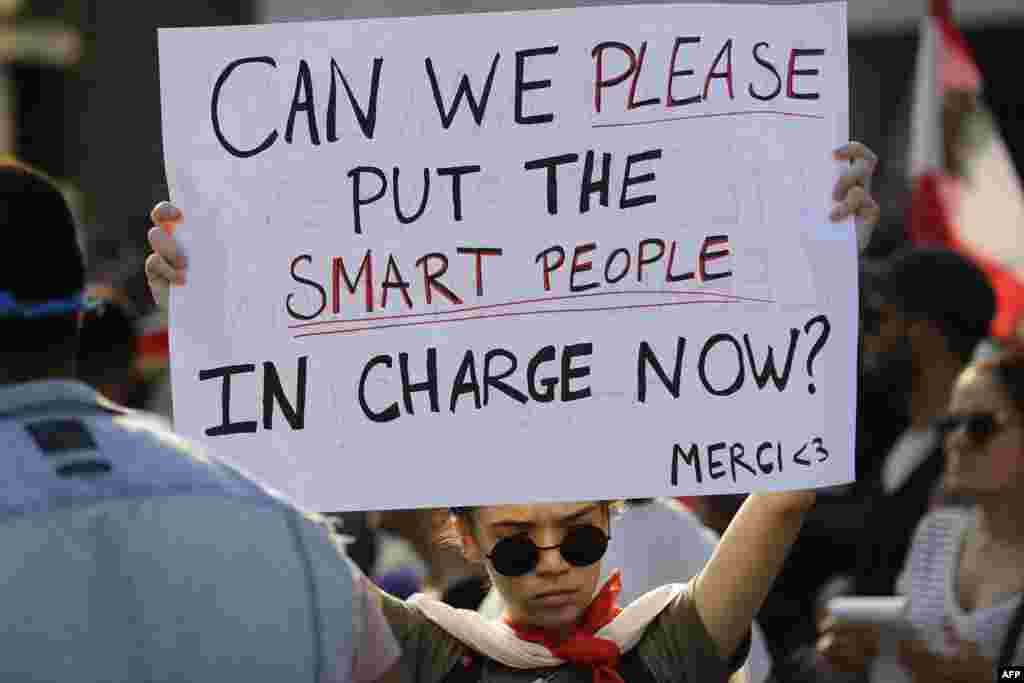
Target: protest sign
<point x="554" y="255"/>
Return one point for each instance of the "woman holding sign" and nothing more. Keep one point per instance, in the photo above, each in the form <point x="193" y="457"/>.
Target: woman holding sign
<point x="545" y="559"/>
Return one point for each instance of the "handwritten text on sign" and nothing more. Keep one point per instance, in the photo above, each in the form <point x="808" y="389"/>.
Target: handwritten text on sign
<point x="531" y="256"/>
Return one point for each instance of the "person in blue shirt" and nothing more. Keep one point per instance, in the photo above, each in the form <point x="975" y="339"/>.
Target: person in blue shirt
<point x="129" y="554"/>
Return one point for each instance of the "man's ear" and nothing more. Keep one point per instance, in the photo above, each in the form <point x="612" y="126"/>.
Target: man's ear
<point x="470" y="547"/>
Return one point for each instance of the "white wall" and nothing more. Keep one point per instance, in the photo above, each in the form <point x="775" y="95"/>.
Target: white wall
<point x="865" y="15"/>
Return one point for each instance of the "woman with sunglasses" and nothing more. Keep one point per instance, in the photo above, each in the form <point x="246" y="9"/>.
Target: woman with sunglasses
<point x="964" y="575"/>
<point x="545" y="561"/>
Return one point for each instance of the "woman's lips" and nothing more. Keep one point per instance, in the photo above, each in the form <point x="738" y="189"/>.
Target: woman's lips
<point x="559" y="599"/>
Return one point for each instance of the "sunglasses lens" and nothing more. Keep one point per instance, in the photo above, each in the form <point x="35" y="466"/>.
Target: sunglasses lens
<point x="517" y="555"/>
<point x="946" y="425"/>
<point x="980" y="427"/>
<point x="584" y="545"/>
<point x="514" y="556"/>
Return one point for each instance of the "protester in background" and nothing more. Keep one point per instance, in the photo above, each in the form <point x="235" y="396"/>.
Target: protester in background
<point x="883" y="398"/>
<point x="359" y="539"/>
<point x="931" y="309"/>
<point x="964" y="576"/>
<point x="397" y="549"/>
<point x="420" y="564"/>
<point x="923" y="312"/>
<point x="545" y="559"/>
<point x="400" y="567"/>
<point x="128" y="554"/>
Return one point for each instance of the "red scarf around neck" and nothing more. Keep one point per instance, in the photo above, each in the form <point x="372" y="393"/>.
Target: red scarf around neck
<point x="582" y="647"/>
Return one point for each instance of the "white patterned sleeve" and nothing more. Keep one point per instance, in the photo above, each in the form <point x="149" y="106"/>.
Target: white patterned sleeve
<point x="921" y="549"/>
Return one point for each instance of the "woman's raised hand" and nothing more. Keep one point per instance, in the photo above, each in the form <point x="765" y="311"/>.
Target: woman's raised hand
<point x="166" y="265"/>
<point x="852" y="192"/>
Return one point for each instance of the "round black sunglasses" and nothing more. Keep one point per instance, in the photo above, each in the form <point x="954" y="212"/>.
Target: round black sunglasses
<point x="979" y="427"/>
<point x="518" y="555"/>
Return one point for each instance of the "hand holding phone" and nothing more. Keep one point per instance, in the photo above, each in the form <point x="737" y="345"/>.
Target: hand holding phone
<point x="856" y="628"/>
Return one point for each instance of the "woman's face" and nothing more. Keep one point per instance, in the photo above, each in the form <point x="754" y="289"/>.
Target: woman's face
<point x="990" y="464"/>
<point x="556" y="593"/>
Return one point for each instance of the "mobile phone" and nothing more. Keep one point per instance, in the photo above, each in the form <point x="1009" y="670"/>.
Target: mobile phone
<point x="886" y="611"/>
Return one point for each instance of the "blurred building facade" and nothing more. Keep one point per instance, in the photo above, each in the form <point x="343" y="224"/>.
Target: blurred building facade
<point x="91" y="117"/>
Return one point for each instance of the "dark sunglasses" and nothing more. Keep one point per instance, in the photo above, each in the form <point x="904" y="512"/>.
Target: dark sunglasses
<point x="518" y="555"/>
<point x="979" y="427"/>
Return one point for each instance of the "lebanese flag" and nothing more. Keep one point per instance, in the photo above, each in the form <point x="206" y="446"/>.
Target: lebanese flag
<point x="965" y="191"/>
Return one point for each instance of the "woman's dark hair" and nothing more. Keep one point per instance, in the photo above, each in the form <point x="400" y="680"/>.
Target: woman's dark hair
<point x="1007" y="366"/>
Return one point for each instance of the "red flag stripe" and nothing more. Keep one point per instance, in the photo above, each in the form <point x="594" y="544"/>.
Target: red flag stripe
<point x="153" y="344"/>
<point x="941" y="9"/>
<point x="957" y="67"/>
<point x="930" y="214"/>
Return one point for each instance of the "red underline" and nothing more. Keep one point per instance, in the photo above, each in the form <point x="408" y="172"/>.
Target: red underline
<point x="709" y="116"/>
<point x="521" y="302"/>
<point x="521" y="313"/>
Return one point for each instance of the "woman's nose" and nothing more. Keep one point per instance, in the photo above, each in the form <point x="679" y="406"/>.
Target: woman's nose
<point x="551" y="560"/>
<point x="956" y="440"/>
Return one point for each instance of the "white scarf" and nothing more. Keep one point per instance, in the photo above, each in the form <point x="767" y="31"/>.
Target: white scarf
<point x="497" y="640"/>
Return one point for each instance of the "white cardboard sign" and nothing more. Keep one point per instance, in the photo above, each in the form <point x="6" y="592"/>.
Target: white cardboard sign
<point x="556" y="255"/>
